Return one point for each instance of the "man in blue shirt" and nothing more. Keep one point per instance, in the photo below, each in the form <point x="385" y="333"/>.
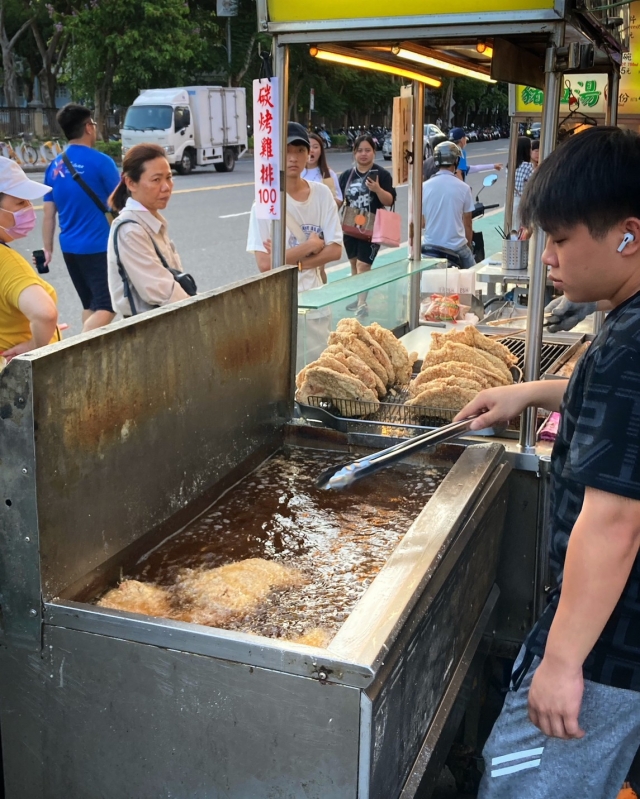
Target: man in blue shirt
<point x="459" y="137"/>
<point x="84" y="229"/>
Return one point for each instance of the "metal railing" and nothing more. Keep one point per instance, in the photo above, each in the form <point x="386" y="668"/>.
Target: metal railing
<point x="39" y="123"/>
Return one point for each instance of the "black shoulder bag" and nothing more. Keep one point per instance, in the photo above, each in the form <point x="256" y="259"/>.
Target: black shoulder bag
<point x="109" y="214"/>
<point x="185" y="280"/>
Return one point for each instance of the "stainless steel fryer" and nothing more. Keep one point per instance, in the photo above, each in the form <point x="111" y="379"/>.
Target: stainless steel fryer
<point x="110" y="439"/>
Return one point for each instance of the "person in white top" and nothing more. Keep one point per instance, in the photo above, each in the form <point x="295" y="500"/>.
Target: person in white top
<point x="314" y="238"/>
<point x="146" y="252"/>
<point x="317" y="168"/>
<point x="447" y="204"/>
<point x="314" y="233"/>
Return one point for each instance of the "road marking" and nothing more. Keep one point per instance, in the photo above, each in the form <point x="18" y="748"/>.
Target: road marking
<point x="228" y="216"/>
<point x="212" y="188"/>
<point x="485" y="155"/>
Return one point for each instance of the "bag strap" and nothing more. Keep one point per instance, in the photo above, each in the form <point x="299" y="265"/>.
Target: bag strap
<point x="346" y="188"/>
<point x="83" y="185"/>
<point x="295" y="228"/>
<point x="121" y="270"/>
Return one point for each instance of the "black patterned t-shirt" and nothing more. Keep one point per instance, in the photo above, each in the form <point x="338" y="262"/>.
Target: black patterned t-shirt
<point x="598" y="446"/>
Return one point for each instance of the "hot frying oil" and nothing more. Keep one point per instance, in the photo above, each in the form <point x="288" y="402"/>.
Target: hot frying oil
<point x="338" y="540"/>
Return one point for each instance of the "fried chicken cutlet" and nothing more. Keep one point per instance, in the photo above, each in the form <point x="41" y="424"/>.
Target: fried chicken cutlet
<point x="438" y="340"/>
<point x="354" y="327"/>
<point x="446" y="370"/>
<point x="324" y="360"/>
<point x="357" y="367"/>
<point x="463" y="353"/>
<point x="355" y="345"/>
<point x="215" y="595"/>
<point x="401" y="360"/>
<point x="441" y="395"/>
<point x="322" y="382"/>
<point x="136" y="597"/>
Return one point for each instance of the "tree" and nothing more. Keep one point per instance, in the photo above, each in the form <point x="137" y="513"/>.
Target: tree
<point x="14" y="22"/>
<point x="122" y="46"/>
<point x="51" y="40"/>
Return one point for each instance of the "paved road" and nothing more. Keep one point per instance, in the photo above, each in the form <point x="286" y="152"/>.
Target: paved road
<point x="208" y="218"/>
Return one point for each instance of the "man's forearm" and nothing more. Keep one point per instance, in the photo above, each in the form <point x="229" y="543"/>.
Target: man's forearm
<point x="48" y="231"/>
<point x="298" y="253"/>
<point x="545" y="394"/>
<point x="331" y="252"/>
<point x="601" y="552"/>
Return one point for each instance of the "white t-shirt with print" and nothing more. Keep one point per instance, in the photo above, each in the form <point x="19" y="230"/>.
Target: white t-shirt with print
<point x="317" y="214"/>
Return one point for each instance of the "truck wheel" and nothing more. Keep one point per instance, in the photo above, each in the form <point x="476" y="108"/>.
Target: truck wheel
<point x="186" y="163"/>
<point x="228" y="161"/>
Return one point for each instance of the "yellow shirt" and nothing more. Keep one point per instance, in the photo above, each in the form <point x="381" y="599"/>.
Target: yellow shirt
<point x="16" y="274"/>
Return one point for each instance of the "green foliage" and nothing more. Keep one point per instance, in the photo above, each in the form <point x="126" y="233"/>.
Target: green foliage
<point x="338" y="90"/>
<point x="474" y="97"/>
<point x="127" y="45"/>
<point x="339" y="140"/>
<point x="112" y="148"/>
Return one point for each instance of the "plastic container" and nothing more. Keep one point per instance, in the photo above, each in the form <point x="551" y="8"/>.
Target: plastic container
<point x="515" y="255"/>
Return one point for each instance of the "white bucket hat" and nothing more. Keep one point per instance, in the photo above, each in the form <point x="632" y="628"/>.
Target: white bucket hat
<point x="14" y="182"/>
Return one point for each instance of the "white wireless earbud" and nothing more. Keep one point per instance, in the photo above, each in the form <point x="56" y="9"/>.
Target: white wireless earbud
<point x="627" y="238"/>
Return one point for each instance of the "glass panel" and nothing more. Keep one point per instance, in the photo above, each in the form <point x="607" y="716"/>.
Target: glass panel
<point x="386" y="289"/>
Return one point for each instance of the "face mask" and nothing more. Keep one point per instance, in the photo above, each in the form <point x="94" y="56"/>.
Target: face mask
<point x="24" y="221"/>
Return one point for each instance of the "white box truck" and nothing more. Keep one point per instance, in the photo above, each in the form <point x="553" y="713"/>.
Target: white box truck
<point x="196" y="125"/>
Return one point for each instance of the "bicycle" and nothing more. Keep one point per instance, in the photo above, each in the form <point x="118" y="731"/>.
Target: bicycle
<point x="50" y="150"/>
<point x="7" y="151"/>
<point x="28" y="152"/>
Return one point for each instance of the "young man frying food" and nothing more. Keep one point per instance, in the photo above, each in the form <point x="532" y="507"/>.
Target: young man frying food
<point x="570" y="725"/>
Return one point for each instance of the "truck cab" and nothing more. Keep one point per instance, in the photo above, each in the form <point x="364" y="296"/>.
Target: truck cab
<point x="196" y="126"/>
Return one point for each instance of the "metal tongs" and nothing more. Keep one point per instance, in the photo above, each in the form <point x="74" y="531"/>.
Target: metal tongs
<point x="347" y="475"/>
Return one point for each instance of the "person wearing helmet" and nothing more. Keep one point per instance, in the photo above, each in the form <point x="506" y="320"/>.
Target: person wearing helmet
<point x="429" y="166"/>
<point x="447" y="205"/>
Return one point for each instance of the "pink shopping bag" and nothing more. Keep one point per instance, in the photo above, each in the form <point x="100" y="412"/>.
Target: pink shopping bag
<point x="387" y="228"/>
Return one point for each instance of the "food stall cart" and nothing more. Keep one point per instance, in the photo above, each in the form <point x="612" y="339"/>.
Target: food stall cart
<point x="117" y="442"/>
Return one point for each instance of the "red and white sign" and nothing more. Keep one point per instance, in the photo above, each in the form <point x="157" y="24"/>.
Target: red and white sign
<point x="266" y="147"/>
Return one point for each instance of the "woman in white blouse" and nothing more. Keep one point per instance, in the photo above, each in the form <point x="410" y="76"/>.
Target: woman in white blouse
<point x="143" y="265"/>
<point x="317" y="169"/>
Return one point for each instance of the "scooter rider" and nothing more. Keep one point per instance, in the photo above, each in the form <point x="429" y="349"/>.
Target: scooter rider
<point x="447" y="206"/>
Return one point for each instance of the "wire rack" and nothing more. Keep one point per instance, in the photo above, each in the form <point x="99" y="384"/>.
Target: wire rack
<point x="393" y="412"/>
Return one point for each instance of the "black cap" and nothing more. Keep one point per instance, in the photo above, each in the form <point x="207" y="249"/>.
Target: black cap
<point x="297" y="134"/>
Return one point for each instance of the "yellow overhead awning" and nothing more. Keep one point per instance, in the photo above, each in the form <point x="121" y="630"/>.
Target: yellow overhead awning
<point x="287" y="11"/>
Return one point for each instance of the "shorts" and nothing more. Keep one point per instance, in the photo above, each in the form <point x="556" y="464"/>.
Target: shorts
<point x="364" y="251"/>
<point x="88" y="274"/>
<point x="521" y="761"/>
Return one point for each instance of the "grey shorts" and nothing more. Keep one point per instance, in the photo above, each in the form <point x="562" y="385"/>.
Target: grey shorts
<point x="520" y="761"/>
